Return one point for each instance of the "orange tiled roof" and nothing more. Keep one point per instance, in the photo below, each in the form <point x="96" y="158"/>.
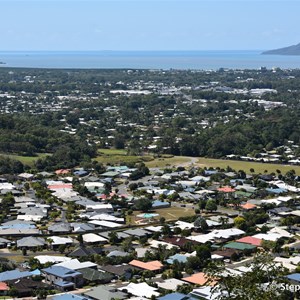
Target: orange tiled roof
<point x="150" y="265"/>
<point x="226" y="189"/>
<point x="248" y="206"/>
<point x="200" y="279"/>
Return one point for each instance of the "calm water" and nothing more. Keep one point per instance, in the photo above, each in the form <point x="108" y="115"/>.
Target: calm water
<point x="201" y="60"/>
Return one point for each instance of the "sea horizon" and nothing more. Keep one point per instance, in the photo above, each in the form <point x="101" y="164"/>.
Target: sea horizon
<point x="146" y="59"/>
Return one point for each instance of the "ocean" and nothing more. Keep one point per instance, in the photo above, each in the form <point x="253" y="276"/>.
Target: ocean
<point x="194" y="60"/>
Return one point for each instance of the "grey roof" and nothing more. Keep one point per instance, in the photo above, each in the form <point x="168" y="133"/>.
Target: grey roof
<point x="104" y="292"/>
<point x="137" y="232"/>
<point x="31" y="242"/>
<point x="60" y="227"/>
<point x="4" y="241"/>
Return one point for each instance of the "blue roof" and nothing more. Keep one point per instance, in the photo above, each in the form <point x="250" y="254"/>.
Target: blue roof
<point x="36" y="272"/>
<point x="158" y="203"/>
<point x="62" y="283"/>
<point x="70" y="297"/>
<point x="174" y="296"/>
<point x="276" y="191"/>
<point x="80" y="172"/>
<point x="60" y="271"/>
<point x="210" y="172"/>
<point x="14" y="274"/>
<point x="294" y="276"/>
<point x="179" y="257"/>
<point x="18" y="226"/>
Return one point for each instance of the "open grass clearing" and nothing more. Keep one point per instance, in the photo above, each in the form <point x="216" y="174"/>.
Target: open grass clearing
<point x="162" y="162"/>
<point x="169" y="213"/>
<point x="246" y="165"/>
<point x="26" y="160"/>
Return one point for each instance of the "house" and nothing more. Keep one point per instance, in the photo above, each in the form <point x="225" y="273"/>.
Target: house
<point x="118" y="271"/>
<point x="59" y="228"/>
<point x="4" y="288"/>
<point x="63" y="278"/>
<point x="92" y="238"/>
<point x="153" y="266"/>
<point x="104" y="292"/>
<point x="75" y="264"/>
<point x="26" y="286"/>
<point x="140" y="290"/>
<point x="170" y="284"/>
<point x="200" y="279"/>
<point x="239" y="246"/>
<point x="31" y="242"/>
<point x="82" y="251"/>
<point x="70" y="297"/>
<point x="137" y="232"/>
<point x="56" y="241"/>
<point x="95" y="276"/>
<point x="250" y="240"/>
<point x="14" y="275"/>
<point x="175" y="296"/>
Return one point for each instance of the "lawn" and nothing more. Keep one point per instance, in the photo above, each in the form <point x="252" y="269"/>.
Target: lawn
<point x="26" y="160"/>
<point x="170" y="214"/>
<point x="162" y="162"/>
<point x="119" y="156"/>
<point x="246" y="165"/>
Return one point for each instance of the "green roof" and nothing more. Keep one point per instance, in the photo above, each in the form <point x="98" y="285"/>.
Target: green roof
<point x="95" y="275"/>
<point x="239" y="246"/>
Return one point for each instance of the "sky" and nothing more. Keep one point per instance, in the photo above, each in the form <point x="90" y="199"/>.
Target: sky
<point x="82" y="25"/>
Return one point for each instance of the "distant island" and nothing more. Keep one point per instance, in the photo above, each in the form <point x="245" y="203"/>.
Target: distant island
<point x="291" y="50"/>
<point x="2" y="63"/>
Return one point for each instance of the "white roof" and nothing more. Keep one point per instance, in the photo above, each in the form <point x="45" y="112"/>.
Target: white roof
<point x="154" y="228"/>
<point x="75" y="264"/>
<point x="93" y="238"/>
<point x="141" y="290"/>
<point x="281" y="231"/>
<point x="170" y="284"/>
<point x="6" y="186"/>
<point x="94" y="184"/>
<point x="184" y="225"/>
<point x="57" y="240"/>
<point x="100" y="206"/>
<point x="29" y="217"/>
<point x="43" y="259"/>
<point x="106" y="217"/>
<point x="105" y="224"/>
<point x="268" y="236"/>
<point x="156" y="244"/>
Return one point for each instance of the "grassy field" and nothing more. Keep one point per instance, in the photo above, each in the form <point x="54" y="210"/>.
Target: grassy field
<point x="246" y="165"/>
<point x="26" y="160"/>
<point x="168" y="161"/>
<point x="170" y="214"/>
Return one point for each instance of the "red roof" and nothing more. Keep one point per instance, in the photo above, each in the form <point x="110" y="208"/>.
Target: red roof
<point x="226" y="189"/>
<point x="250" y="240"/>
<point x="4" y="286"/>
<point x="62" y="171"/>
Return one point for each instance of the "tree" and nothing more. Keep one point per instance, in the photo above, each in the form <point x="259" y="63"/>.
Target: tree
<point x="211" y="205"/>
<point x="143" y="204"/>
<point x="239" y="222"/>
<point x="113" y="238"/>
<point x="201" y="224"/>
<point x="261" y="282"/>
